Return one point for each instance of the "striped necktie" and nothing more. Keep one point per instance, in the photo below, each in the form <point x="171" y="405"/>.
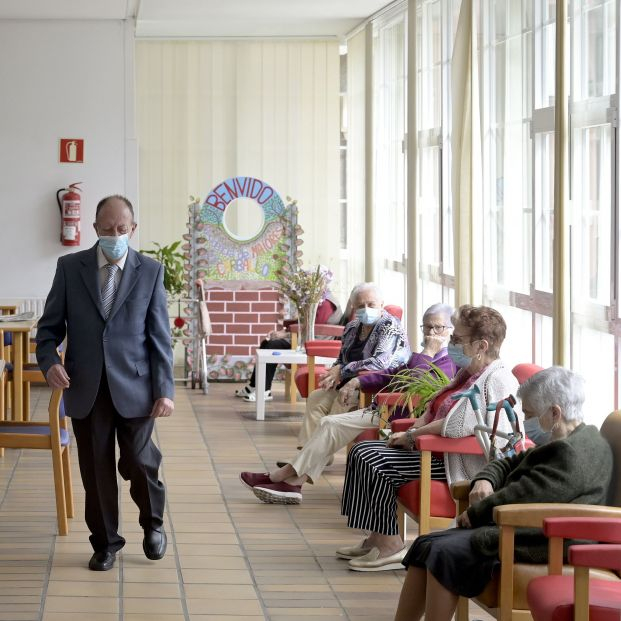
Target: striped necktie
<point x="108" y="290"/>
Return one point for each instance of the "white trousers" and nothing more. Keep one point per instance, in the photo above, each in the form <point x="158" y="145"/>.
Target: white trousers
<point x="333" y="433"/>
<point x="320" y="403"/>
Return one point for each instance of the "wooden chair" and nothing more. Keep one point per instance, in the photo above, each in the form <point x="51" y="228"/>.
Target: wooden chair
<point x="430" y="502"/>
<point x="321" y="329"/>
<point x="31" y="374"/>
<point x="562" y="598"/>
<point x="307" y="375"/>
<point x="505" y="596"/>
<point x="54" y="437"/>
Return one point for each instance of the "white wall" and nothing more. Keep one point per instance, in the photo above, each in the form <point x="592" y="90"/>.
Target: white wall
<point x="209" y="110"/>
<point x="60" y="79"/>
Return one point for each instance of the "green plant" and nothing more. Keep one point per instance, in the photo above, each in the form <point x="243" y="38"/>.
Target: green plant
<point x="416" y="382"/>
<point x="172" y="260"/>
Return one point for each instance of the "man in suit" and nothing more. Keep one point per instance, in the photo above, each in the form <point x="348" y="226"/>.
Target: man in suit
<point x="110" y="303"/>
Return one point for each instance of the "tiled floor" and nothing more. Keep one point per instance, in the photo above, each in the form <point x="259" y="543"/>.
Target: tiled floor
<point x="229" y="556"/>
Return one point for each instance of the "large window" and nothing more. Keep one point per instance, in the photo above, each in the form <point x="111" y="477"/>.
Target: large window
<point x="593" y="162"/>
<point x="518" y="94"/>
<point x="435" y="27"/>
<point x="389" y="188"/>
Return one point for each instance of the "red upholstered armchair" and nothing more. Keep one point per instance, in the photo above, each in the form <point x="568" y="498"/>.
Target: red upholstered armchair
<point x="557" y="597"/>
<point x="505" y="597"/>
<point x="300" y="373"/>
<point x="307" y="374"/>
<point x="429" y="502"/>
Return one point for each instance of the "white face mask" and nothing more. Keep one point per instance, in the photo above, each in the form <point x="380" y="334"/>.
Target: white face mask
<point x="368" y="316"/>
<point x="114" y="247"/>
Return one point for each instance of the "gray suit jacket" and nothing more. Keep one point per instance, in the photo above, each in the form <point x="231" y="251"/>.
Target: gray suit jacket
<point x="134" y="343"/>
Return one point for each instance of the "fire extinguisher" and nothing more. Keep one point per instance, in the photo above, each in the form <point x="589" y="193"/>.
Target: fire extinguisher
<point x="69" y="206"/>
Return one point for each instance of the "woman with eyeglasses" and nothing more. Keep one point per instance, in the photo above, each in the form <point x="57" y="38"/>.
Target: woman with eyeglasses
<point x="376" y="471"/>
<point x="284" y="485"/>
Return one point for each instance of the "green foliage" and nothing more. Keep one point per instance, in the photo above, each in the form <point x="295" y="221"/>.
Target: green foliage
<point x="416" y="382"/>
<point x="172" y="260"/>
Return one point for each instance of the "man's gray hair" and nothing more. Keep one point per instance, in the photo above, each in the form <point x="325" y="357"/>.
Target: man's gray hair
<point x="366" y="286"/>
<point x="446" y="310"/>
<point x="555" y="386"/>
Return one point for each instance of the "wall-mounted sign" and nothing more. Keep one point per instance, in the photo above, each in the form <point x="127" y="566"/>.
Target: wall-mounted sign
<point x="241" y="220"/>
<point x="71" y="150"/>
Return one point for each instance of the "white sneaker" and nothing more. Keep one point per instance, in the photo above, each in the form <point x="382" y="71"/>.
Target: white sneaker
<point x="253" y="396"/>
<point x="244" y="392"/>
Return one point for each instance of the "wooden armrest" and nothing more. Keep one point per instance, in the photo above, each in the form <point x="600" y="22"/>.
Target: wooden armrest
<point x="439" y="444"/>
<point x="329" y="349"/>
<point x="321" y="329"/>
<point x="461" y="490"/>
<point x="603" y="529"/>
<point x="401" y="424"/>
<point x="532" y="514"/>
<point x="606" y="556"/>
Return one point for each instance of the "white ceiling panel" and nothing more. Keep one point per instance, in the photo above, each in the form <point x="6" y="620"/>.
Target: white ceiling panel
<point x="252" y="18"/>
<point x="209" y="18"/>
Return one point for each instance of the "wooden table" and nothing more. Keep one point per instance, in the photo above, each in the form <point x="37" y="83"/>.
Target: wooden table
<point x="21" y="336"/>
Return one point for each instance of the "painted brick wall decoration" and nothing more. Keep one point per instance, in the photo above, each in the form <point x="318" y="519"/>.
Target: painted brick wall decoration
<point x="240" y="319"/>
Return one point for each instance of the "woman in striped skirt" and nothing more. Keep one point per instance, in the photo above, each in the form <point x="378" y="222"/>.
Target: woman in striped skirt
<point x="376" y="471"/>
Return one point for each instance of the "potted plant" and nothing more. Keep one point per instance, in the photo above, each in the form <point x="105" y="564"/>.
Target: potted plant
<point x="172" y="260"/>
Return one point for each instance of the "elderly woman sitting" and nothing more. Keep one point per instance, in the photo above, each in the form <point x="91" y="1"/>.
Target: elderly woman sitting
<point x="283" y="486"/>
<point x="375" y="472"/>
<point x="575" y="466"/>
<point x="373" y="341"/>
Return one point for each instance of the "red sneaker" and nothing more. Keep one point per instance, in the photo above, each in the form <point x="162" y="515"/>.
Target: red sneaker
<point x="278" y="493"/>
<point x="250" y="479"/>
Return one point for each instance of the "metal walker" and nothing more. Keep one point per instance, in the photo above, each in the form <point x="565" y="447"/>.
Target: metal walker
<point x="487" y="435"/>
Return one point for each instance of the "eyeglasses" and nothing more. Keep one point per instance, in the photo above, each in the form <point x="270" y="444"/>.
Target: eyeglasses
<point x="459" y="340"/>
<point x="431" y="328"/>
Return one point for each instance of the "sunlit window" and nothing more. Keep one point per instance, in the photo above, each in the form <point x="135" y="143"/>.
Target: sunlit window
<point x="389" y="184"/>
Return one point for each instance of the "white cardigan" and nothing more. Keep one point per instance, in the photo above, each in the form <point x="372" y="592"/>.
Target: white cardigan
<point x="495" y="383"/>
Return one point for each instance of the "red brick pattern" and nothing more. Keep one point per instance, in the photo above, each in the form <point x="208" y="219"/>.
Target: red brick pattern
<point x="241" y="319"/>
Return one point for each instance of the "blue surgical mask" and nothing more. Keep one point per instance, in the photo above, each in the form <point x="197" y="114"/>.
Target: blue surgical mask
<point x="368" y="316"/>
<point x="114" y="247"/>
<point x="456" y="354"/>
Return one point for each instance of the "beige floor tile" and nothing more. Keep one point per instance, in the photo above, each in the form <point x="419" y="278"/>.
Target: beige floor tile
<point x="83" y="589"/>
<point x="152" y="605"/>
<point x="151" y="589"/>
<point x="152" y="617"/>
<point x="79" y="616"/>
<point x="224" y="606"/>
<point x="106" y="605"/>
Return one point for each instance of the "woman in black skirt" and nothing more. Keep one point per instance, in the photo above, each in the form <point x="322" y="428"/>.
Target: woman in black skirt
<point x="576" y="467"/>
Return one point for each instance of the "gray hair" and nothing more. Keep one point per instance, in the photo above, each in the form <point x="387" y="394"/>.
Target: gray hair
<point x="446" y="310"/>
<point x="555" y="386"/>
<point x="365" y="286"/>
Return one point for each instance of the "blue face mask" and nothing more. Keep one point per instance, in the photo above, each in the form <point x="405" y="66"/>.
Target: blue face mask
<point x="114" y="247"/>
<point x="456" y="354"/>
<point x="368" y="316"/>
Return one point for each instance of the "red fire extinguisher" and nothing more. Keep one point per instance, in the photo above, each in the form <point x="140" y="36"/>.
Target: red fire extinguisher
<point x="69" y="206"/>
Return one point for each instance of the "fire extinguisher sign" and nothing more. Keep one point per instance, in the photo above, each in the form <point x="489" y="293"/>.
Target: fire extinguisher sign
<point x="71" y="150"/>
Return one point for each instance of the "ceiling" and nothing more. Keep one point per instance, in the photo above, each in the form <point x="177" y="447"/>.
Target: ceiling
<point x="209" y="18"/>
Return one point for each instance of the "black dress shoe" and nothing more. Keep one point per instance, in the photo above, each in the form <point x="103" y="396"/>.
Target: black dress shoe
<point x="154" y="544"/>
<point x="102" y="561"/>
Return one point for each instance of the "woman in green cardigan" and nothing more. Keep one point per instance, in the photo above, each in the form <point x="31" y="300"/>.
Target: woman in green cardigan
<point x="575" y="466"/>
